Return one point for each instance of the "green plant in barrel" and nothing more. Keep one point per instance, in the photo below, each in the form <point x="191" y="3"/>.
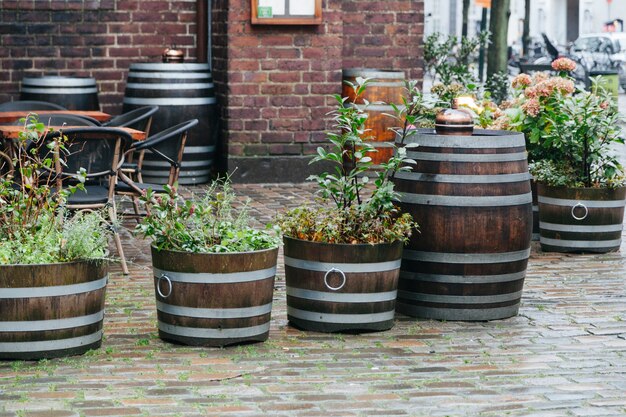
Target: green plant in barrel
<point x="53" y="273"/>
<point x="34" y="226"/>
<point x="342" y="255"/>
<point x="571" y="136"/>
<point x="356" y="204"/>
<point x="207" y="223"/>
<point x="213" y="269"/>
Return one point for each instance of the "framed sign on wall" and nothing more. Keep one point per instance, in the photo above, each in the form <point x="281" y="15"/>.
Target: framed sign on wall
<point x="286" y="12"/>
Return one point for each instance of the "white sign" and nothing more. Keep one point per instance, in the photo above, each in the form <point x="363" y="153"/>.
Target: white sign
<point x="302" y="7"/>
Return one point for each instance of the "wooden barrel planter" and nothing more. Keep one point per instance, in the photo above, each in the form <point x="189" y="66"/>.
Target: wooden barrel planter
<point x="341" y="287"/>
<point x="51" y="310"/>
<point x="580" y="219"/>
<point x="471" y="197"/>
<point x="386" y="87"/>
<point x="182" y="92"/>
<point x="207" y="299"/>
<point x="73" y="93"/>
<point x="533" y="188"/>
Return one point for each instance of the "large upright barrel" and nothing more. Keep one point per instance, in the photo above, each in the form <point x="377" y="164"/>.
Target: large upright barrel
<point x="471" y="197"/>
<point x="73" y="93"/>
<point x="182" y="92"/>
<point x="386" y="87"/>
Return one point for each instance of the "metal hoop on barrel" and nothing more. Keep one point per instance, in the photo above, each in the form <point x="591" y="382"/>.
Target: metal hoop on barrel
<point x="330" y="271"/>
<point x="158" y="286"/>
<point x="579" y="204"/>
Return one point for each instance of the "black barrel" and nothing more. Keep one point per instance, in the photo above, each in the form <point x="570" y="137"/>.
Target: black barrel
<point x="73" y="93"/>
<point x="182" y="92"/>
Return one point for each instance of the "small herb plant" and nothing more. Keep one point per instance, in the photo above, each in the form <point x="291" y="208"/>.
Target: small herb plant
<point x="34" y="226"/>
<point x="202" y="224"/>
<point x="353" y="209"/>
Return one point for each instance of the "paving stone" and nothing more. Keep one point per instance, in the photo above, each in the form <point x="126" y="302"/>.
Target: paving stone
<point x="564" y="355"/>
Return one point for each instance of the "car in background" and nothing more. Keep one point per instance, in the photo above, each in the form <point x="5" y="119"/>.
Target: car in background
<point x="602" y="51"/>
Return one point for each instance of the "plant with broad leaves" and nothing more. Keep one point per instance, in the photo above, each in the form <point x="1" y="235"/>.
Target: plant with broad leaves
<point x="363" y="210"/>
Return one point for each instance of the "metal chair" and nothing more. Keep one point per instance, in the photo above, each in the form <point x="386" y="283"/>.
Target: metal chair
<point x="139" y="119"/>
<point x="99" y="151"/>
<point x="29" y="105"/>
<point x="168" y="146"/>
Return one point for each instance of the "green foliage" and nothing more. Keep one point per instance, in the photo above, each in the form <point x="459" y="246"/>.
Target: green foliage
<point x="497" y="87"/>
<point x="582" y="128"/>
<point x="569" y="132"/>
<point x="34" y="227"/>
<point x="202" y="224"/>
<point x="448" y="60"/>
<point x="326" y="224"/>
<point x="355" y="218"/>
<point x="85" y="236"/>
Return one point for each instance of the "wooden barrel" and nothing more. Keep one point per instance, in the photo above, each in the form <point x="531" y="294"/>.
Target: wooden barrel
<point x="73" y="93"/>
<point x="341" y="288"/>
<point x="533" y="188"/>
<point x="580" y="219"/>
<point x="214" y="299"/>
<point x="182" y="92"/>
<point x="471" y="197"/>
<point x="386" y="87"/>
<point x="51" y="310"/>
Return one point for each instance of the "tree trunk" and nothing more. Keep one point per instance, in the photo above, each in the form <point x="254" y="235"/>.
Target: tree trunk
<point x="466" y="5"/>
<point x="499" y="27"/>
<point x="526" y="32"/>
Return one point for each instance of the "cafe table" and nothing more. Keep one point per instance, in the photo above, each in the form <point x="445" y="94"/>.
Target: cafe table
<point x="12" y="116"/>
<point x="13" y="132"/>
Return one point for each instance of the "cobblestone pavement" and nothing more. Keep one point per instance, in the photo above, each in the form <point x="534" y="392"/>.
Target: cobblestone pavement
<point x="564" y="355"/>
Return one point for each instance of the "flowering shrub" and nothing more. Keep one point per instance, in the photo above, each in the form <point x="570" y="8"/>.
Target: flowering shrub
<point x="568" y="131"/>
<point x="207" y="224"/>
<point x="564" y="65"/>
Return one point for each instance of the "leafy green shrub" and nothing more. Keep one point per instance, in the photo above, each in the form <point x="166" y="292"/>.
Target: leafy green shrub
<point x="202" y="224"/>
<point x="34" y="226"/>
<point x="448" y="60"/>
<point x="344" y="213"/>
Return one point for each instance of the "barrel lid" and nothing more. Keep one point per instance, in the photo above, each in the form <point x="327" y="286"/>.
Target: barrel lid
<point x="169" y="66"/>
<point x="59" y="80"/>
<point x="373" y="73"/>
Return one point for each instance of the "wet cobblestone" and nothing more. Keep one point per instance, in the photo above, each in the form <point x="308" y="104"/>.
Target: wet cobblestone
<point x="563" y="355"/>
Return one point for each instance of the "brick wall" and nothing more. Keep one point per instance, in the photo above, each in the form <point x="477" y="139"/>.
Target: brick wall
<point x="95" y="38"/>
<point x="276" y="81"/>
<point x="273" y="82"/>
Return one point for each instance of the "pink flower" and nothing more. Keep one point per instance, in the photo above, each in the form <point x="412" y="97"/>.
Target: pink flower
<point x="531" y="107"/>
<point x="530" y="92"/>
<point x="521" y="81"/>
<point x="604" y="105"/>
<point x="540" y="76"/>
<point x="563" y="64"/>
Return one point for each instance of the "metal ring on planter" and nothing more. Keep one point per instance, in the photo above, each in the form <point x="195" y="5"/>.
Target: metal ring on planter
<point x="343" y="276"/>
<point x="579" y="204"/>
<point x="158" y="286"/>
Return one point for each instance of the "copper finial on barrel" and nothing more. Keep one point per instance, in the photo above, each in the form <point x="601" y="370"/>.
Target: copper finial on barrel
<point x="173" y="55"/>
<point x="454" y="121"/>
